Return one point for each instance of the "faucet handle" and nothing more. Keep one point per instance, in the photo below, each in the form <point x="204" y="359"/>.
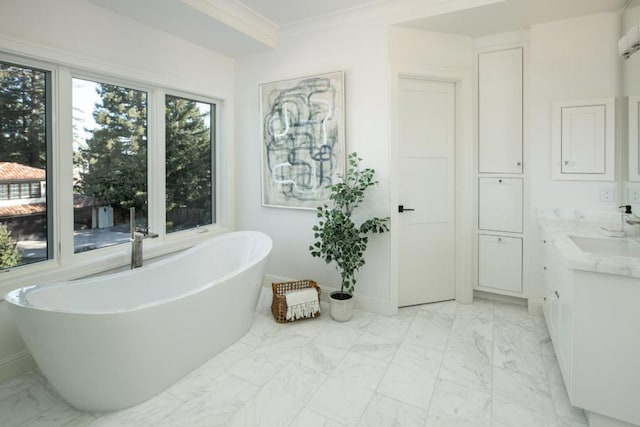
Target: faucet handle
<point x="146" y="232"/>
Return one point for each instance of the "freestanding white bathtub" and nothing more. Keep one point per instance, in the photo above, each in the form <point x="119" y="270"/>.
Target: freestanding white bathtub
<point x="113" y="341"/>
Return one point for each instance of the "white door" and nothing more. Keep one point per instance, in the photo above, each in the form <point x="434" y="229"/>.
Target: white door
<point x="426" y="185"/>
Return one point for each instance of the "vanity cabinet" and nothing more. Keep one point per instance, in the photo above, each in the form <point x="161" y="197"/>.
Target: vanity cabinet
<point x="500" y="263"/>
<point x="500" y="204"/>
<point x="592" y="320"/>
<point x="500" y="97"/>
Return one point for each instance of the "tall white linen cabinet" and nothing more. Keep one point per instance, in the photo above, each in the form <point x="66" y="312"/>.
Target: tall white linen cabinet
<point x="500" y="170"/>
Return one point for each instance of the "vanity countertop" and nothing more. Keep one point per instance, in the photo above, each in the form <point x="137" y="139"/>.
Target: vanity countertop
<point x="557" y="229"/>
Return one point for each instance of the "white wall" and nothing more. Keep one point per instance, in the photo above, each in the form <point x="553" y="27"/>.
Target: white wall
<point x="364" y="52"/>
<point x="571" y="59"/>
<point x="80" y="34"/>
<point x="360" y="51"/>
<point x="411" y="46"/>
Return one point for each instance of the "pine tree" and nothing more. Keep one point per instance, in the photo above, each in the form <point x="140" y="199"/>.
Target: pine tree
<point x="114" y="161"/>
<point x="22" y="115"/>
<point x="188" y="154"/>
<point x="114" y="158"/>
<point x="9" y="252"/>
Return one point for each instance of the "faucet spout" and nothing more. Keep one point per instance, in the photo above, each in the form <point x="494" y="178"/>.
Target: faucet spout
<point x="137" y="235"/>
<point x="136" y="241"/>
<point x="136" y="251"/>
<point x="631" y="219"/>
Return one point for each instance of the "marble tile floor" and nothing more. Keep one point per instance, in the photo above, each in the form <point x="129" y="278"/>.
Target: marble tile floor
<point x="443" y="364"/>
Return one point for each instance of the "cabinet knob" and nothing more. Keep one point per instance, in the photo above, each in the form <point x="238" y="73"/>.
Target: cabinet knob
<point x="499" y="239"/>
<point x="544" y="241"/>
<point x="500" y="181"/>
<point x="557" y="294"/>
<point x="519" y="164"/>
<point x="544" y="268"/>
<point x="566" y="162"/>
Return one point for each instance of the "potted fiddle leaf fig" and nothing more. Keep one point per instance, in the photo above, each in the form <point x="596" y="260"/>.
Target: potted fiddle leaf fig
<point x="338" y="239"/>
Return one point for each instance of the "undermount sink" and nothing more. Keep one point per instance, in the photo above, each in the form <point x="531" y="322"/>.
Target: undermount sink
<point x="607" y="247"/>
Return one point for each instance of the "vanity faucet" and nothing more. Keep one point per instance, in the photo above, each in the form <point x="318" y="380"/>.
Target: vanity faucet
<point x="628" y="216"/>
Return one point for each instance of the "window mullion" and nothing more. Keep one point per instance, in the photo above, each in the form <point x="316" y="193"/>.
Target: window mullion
<point x="63" y="168"/>
<point x="156" y="162"/>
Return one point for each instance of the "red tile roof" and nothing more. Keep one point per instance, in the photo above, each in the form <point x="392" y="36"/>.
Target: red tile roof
<point x="10" y="171"/>
<point x="79" y="201"/>
<point x="20" y="210"/>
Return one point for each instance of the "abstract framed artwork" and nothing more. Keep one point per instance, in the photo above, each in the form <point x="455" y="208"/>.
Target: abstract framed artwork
<point x="303" y="142"/>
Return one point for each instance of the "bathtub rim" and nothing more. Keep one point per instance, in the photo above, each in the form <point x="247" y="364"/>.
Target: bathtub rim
<point x="13" y="297"/>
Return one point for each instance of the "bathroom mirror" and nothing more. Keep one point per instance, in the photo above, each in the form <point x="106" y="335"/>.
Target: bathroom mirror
<point x="631" y="110"/>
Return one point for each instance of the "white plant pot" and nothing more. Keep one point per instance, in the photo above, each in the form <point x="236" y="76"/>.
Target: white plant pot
<point x="341" y="309"/>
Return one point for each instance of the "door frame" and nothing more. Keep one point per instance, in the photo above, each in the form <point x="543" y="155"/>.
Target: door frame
<point x="464" y="161"/>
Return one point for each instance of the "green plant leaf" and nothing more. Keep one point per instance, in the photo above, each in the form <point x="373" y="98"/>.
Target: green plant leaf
<point x="337" y="236"/>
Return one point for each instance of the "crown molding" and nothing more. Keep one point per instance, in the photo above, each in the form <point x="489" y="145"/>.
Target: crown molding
<point x="239" y="17"/>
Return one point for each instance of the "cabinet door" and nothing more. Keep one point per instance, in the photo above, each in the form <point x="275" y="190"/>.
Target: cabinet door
<point x="500" y="204"/>
<point x="561" y="309"/>
<point x="500" y="111"/>
<point x="565" y="322"/>
<point x="500" y="263"/>
<point x="583" y="139"/>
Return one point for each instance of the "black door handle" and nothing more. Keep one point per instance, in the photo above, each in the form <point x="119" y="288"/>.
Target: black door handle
<point x="401" y="209"/>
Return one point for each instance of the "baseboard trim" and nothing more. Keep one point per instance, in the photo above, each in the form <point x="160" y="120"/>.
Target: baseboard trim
<point x="535" y="306"/>
<point x="365" y="303"/>
<point x="499" y="297"/>
<point x="16" y="364"/>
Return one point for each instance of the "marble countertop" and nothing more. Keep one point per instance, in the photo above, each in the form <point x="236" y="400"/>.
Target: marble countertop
<point x="558" y="227"/>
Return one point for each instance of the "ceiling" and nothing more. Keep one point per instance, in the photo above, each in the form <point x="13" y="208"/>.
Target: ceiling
<point x="239" y="27"/>
<point x="512" y="15"/>
<point x="287" y="12"/>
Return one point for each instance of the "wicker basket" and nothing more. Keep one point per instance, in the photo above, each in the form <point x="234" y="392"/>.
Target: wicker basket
<point x="279" y="302"/>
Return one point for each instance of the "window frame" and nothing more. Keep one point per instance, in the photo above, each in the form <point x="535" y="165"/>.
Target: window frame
<point x="215" y="138"/>
<point x="51" y="89"/>
<point x="63" y="264"/>
<point x="151" y="117"/>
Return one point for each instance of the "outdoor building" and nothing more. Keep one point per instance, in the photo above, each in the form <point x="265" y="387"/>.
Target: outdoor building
<point x="23" y="199"/>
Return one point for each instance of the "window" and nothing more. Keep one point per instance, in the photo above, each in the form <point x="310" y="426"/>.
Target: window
<point x="25" y="120"/>
<point x="110" y="162"/>
<point x="105" y="131"/>
<point x="14" y="191"/>
<point x="34" y="190"/>
<point x="190" y="142"/>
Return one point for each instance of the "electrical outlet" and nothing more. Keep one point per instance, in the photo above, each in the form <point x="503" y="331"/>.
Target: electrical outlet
<point x="634" y="196"/>
<point x="606" y="194"/>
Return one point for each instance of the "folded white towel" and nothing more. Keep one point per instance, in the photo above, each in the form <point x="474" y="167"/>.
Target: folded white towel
<point x="302" y="303"/>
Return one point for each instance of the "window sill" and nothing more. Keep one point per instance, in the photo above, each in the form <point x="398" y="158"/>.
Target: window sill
<point x="101" y="260"/>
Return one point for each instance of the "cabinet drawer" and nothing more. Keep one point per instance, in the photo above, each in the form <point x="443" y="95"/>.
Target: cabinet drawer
<point x="500" y="204"/>
<point x="500" y="263"/>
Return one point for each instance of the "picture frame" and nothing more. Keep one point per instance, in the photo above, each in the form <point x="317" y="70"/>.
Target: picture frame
<point x="302" y="140"/>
